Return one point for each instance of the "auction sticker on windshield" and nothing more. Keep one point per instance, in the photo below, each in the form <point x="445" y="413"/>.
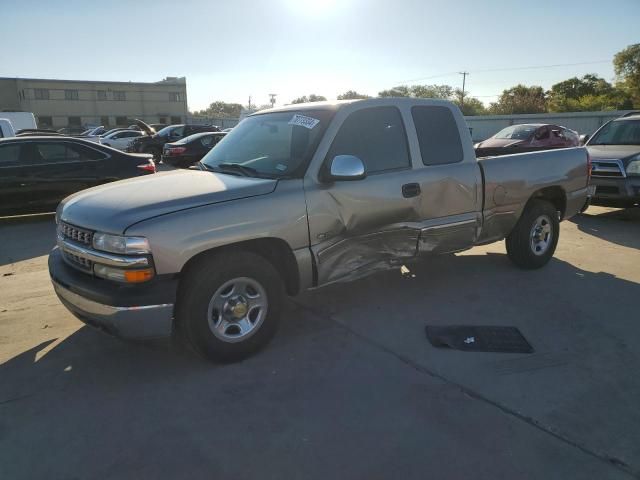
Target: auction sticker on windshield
<point x="303" y="121"/>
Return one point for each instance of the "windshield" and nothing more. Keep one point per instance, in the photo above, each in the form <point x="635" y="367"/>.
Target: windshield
<point x="272" y="144"/>
<point x="195" y="136"/>
<point x="517" y="132"/>
<point x="624" y="132"/>
<point x="166" y="131"/>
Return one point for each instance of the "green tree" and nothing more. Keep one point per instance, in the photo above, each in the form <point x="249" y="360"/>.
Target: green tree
<point x="352" y="95"/>
<point x="471" y="105"/>
<point x="444" y="92"/>
<point x="626" y="65"/>
<point x="399" y="91"/>
<point x="588" y="93"/>
<point x="311" y="98"/>
<point x="520" y="99"/>
<point x="221" y="109"/>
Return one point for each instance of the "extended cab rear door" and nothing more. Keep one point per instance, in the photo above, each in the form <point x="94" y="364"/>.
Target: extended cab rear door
<point x="447" y="171"/>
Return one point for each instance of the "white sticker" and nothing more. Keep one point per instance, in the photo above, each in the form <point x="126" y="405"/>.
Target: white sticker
<point x="281" y="167"/>
<point x="302" y="121"/>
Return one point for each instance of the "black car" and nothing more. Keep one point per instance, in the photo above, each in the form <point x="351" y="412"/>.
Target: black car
<point x="37" y="172"/>
<point x="154" y="142"/>
<point x="191" y="149"/>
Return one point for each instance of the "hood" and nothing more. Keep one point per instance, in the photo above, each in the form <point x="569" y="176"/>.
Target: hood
<point x="501" y="142"/>
<point x="114" y="207"/>
<point x="145" y="128"/>
<point x="612" y="152"/>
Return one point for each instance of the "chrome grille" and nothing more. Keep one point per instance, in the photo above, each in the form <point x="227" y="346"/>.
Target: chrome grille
<point x="607" y="169"/>
<point x="76" y="234"/>
<point x="78" y="262"/>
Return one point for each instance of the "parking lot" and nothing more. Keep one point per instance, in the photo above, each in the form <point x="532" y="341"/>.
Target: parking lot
<point x="350" y="387"/>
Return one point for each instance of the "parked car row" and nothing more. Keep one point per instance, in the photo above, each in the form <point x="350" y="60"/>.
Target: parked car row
<point x="153" y="142"/>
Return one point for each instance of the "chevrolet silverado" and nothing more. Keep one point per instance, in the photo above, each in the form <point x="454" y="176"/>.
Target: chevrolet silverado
<point x="295" y="198"/>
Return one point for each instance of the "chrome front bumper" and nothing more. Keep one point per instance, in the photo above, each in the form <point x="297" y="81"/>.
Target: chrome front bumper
<point x="139" y="322"/>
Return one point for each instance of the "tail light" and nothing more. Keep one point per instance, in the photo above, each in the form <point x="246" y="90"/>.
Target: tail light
<point x="150" y="166"/>
<point x="175" y="150"/>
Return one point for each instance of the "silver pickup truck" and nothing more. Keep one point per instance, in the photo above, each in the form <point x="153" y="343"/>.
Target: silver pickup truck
<point x="295" y="198"/>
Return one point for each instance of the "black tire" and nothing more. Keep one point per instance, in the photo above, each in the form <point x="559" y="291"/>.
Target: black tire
<point x="525" y="250"/>
<point x="197" y="290"/>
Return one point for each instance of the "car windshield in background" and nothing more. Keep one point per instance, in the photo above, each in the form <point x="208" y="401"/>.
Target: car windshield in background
<point x="624" y="132"/>
<point x="166" y="131"/>
<point x="273" y="145"/>
<point x="193" y="137"/>
<point x="517" y="132"/>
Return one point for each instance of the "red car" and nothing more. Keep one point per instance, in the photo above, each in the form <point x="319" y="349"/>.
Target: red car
<point x="532" y="135"/>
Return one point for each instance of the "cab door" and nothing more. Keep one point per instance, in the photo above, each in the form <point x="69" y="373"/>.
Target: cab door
<point x="359" y="226"/>
<point x="450" y="180"/>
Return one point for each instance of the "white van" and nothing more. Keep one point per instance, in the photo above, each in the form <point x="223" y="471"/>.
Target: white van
<point x="20" y="120"/>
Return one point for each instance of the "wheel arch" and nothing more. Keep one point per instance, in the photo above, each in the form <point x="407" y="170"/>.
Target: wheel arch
<point x="555" y="195"/>
<point x="275" y="250"/>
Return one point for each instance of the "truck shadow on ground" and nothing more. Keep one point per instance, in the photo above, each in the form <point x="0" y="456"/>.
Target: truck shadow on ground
<point x="451" y="285"/>
<point x="621" y="227"/>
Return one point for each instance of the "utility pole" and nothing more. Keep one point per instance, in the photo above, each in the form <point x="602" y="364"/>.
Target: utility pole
<point x="249" y="106"/>
<point x="273" y="99"/>
<point x="464" y="81"/>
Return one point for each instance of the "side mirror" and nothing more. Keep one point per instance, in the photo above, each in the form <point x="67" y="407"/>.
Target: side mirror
<point x="346" y="167"/>
<point x="584" y="139"/>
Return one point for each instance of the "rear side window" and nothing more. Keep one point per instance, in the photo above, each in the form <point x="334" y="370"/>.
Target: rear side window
<point x="65" y="152"/>
<point x="438" y="135"/>
<point x="376" y="136"/>
<point x="9" y="155"/>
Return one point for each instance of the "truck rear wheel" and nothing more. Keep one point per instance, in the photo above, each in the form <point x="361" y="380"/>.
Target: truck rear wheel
<point x="229" y="305"/>
<point x="533" y="241"/>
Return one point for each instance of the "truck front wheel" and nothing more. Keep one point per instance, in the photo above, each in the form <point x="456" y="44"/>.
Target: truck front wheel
<point x="229" y="305"/>
<point x="533" y="241"/>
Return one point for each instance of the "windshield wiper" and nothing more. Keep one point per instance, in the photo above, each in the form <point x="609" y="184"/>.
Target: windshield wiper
<point x="236" y="167"/>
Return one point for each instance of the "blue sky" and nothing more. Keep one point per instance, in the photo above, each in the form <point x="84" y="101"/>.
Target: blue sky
<point x="231" y="49"/>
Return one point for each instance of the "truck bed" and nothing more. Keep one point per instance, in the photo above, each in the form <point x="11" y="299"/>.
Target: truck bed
<point x="510" y="180"/>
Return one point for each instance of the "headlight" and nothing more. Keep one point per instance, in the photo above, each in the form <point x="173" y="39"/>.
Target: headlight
<point x="120" y="244"/>
<point x="633" y="169"/>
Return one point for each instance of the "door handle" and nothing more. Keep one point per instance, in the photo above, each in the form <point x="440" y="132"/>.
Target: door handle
<point x="410" y="190"/>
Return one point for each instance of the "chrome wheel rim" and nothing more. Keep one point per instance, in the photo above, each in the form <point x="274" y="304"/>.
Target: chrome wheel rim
<point x="541" y="235"/>
<point x="237" y="309"/>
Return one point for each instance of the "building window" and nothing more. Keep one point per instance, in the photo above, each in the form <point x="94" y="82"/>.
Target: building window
<point x="44" y="122"/>
<point x="175" y="120"/>
<point x="174" y="97"/>
<point x="119" y="96"/>
<point x="75" y="121"/>
<point x="41" y="93"/>
<point x="122" y="121"/>
<point x="104" y="121"/>
<point x="102" y="94"/>
<point x="163" y="120"/>
<point x="71" y="94"/>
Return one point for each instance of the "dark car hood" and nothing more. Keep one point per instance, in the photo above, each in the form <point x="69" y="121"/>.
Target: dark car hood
<point x="612" y="152"/>
<point x="114" y="207"/>
<point x="501" y="142"/>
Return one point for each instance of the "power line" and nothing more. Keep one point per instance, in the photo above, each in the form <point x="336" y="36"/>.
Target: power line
<point x="507" y="69"/>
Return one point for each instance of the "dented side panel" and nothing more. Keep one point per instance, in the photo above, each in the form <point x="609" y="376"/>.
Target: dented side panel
<point x="362" y="226"/>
